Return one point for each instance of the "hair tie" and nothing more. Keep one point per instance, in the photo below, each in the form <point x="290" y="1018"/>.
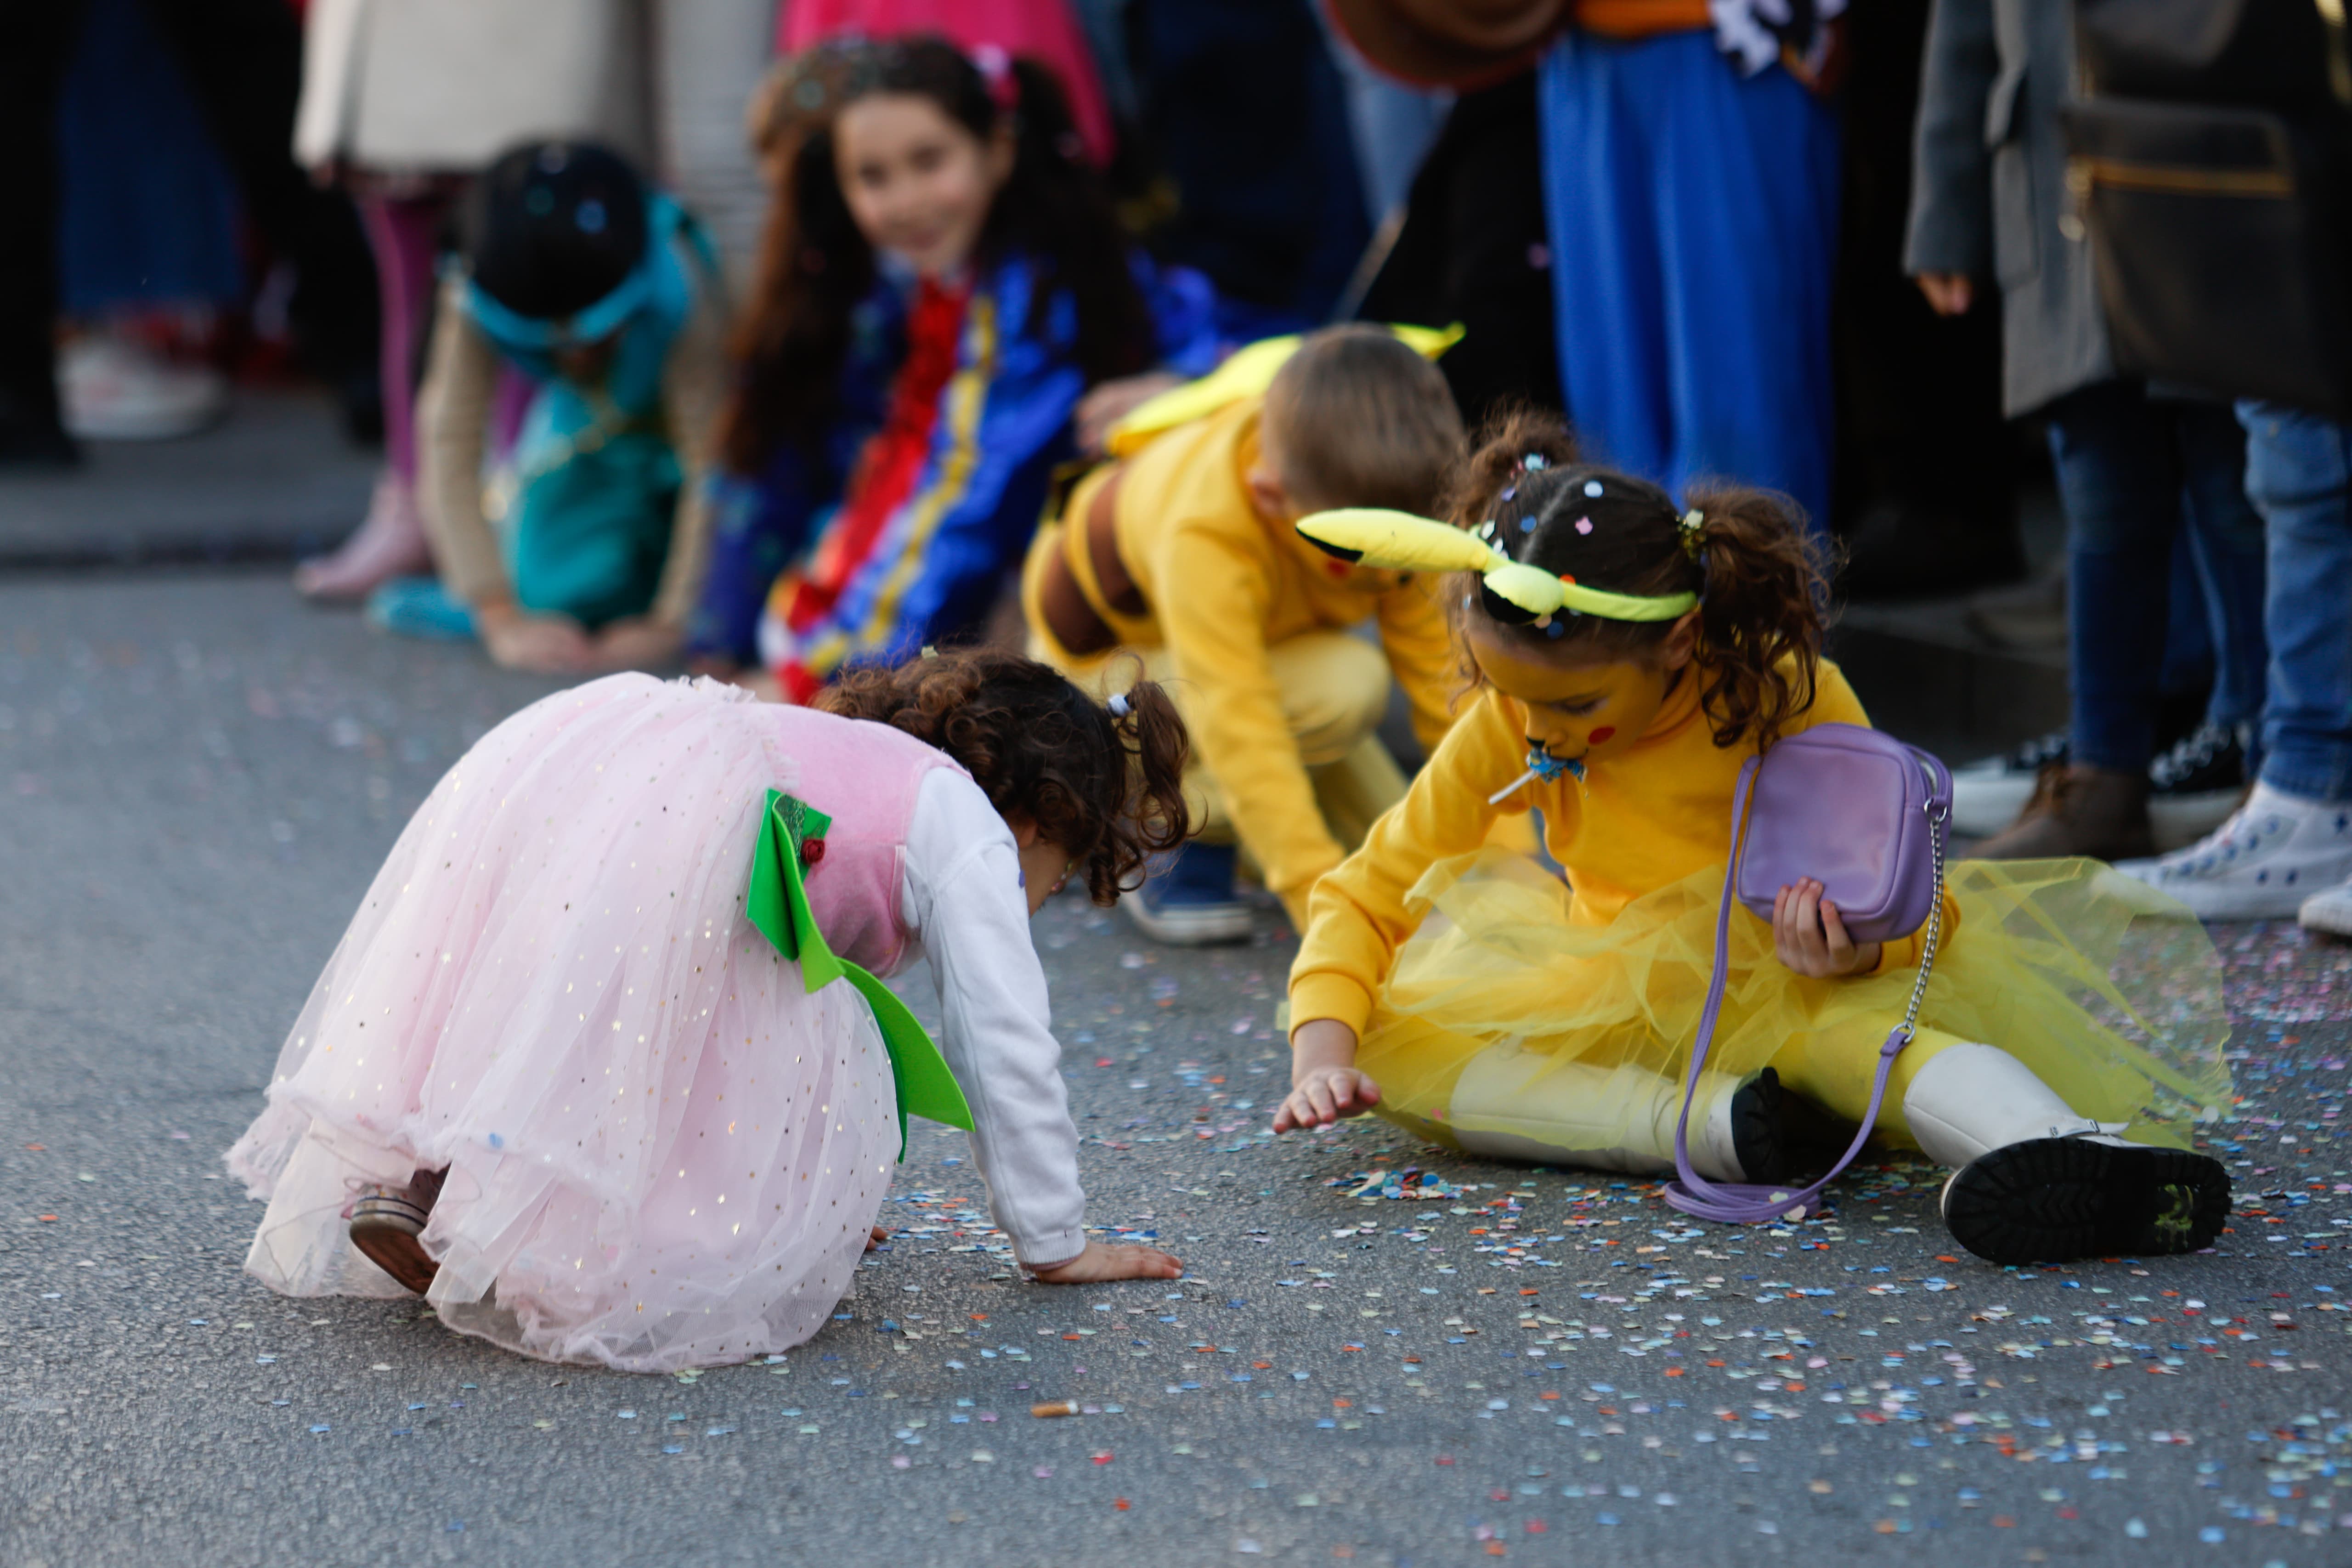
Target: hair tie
<point x="997" y="67"/>
<point x="1119" y="705"/>
<point x="1690" y="523"/>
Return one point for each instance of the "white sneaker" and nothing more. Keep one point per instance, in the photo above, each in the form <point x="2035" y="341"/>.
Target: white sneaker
<point x="115" y="390"/>
<point x="2329" y="912"/>
<point x="2262" y="863"/>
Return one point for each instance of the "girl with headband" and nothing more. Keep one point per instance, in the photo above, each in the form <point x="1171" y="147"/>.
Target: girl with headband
<point x="1628" y="655"/>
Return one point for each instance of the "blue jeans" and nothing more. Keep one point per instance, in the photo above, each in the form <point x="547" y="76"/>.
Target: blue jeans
<point x="2131" y="471"/>
<point x="2299" y="473"/>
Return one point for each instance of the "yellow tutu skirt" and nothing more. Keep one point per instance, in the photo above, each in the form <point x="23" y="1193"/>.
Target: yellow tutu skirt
<point x="2108" y="990"/>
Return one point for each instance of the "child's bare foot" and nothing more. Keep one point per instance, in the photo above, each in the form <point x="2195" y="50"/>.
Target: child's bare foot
<point x="877" y="1237"/>
<point x="1100" y="1262"/>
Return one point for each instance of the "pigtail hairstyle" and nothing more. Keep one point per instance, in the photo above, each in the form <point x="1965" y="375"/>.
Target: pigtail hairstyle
<point x="1760" y="610"/>
<point x="815" y="266"/>
<point x="1108" y="787"/>
<point x="1745" y="552"/>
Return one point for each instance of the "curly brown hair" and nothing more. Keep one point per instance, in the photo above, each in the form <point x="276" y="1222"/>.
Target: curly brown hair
<point x="1109" y="789"/>
<point x="1759" y="576"/>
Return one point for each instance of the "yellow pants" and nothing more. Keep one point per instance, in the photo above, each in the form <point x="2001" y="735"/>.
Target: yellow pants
<point x="1334" y="688"/>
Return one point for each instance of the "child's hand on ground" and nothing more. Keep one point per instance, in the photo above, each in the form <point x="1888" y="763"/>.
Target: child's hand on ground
<point x="1323" y="1096"/>
<point x="543" y="644"/>
<point x="1101" y="1261"/>
<point x="1810" y="938"/>
<point x="1324" y="1083"/>
<point x="639" y="642"/>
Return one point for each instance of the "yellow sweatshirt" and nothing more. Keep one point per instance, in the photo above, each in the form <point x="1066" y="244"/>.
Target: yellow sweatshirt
<point x="1640" y="820"/>
<point x="1223" y="584"/>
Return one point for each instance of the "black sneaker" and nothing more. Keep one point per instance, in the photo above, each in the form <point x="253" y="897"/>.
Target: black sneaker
<point x="1988" y="795"/>
<point x="2194" y="787"/>
<point x="2049" y="1200"/>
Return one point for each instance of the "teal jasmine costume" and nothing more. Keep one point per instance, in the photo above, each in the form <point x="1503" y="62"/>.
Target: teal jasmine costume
<point x="586" y="507"/>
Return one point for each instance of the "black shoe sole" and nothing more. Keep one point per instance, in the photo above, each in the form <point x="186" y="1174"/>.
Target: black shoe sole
<point x="1757" y="1129"/>
<point x="2049" y="1200"/>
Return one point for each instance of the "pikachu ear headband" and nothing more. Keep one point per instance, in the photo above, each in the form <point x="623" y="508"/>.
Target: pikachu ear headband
<point x="1403" y="543"/>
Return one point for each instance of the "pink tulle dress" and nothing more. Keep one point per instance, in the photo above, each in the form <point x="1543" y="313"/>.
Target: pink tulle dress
<point x="662" y="1150"/>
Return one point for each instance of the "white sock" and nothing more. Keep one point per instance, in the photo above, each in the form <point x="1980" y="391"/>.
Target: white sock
<point x="1970" y="1100"/>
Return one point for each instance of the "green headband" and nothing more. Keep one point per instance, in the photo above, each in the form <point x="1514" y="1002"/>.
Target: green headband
<point x="1403" y="543"/>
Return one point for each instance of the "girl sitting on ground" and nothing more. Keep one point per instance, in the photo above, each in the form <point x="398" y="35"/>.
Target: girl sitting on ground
<point x="2074" y="1025"/>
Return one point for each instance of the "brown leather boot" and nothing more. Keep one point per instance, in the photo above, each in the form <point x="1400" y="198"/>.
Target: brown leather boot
<point x="2077" y="809"/>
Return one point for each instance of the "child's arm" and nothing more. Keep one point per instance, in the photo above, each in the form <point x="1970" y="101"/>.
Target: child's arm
<point x="694" y="389"/>
<point x="453" y="410"/>
<point x="1212" y="604"/>
<point x="962" y="896"/>
<point x="1358" y="915"/>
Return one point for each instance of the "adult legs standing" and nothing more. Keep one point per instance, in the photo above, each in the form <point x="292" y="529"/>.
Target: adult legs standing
<point x="2289" y="849"/>
<point x="1694" y="217"/>
<point x="2131" y="471"/>
<point x="32" y="65"/>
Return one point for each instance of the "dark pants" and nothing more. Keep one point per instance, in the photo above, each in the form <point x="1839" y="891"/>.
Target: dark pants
<point x="1474" y="250"/>
<point x="1249" y="119"/>
<point x="2131" y="471"/>
<point x="33" y="63"/>
<point x="244" y="63"/>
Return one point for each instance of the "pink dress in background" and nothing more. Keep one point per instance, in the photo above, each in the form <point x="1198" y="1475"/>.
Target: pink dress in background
<point x="662" y="1150"/>
<point x="1044" y="30"/>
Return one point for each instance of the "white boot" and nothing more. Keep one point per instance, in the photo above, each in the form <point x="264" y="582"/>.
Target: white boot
<point x="2034" y="1182"/>
<point x="1529" y="1105"/>
<point x="1970" y="1100"/>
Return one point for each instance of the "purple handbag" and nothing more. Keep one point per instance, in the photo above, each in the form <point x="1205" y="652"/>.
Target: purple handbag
<point x="1864" y="814"/>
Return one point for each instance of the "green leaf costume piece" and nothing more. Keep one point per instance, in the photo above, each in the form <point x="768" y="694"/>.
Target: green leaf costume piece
<point x="778" y="904"/>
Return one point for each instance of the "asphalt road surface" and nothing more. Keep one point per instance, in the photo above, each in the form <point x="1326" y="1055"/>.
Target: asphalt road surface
<point x="199" y="775"/>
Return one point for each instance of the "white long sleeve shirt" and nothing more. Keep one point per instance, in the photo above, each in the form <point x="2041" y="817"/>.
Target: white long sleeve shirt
<point x="963" y="905"/>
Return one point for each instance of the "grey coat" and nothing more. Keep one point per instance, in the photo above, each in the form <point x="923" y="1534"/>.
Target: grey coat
<point x="1989" y="192"/>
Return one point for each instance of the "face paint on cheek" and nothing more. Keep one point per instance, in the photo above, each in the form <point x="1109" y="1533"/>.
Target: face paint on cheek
<point x="1601" y="734"/>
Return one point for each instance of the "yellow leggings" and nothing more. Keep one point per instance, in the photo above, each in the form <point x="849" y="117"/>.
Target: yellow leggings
<point x="1334" y="689"/>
